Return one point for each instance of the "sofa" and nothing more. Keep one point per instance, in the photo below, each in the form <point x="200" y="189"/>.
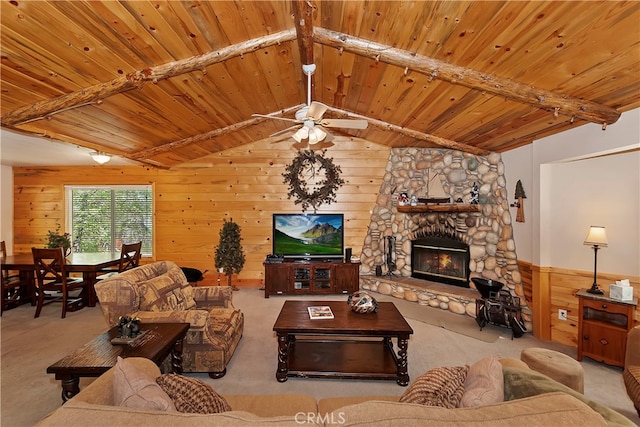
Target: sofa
<point x="159" y="292"/>
<point x="631" y="373"/>
<point x="530" y="399"/>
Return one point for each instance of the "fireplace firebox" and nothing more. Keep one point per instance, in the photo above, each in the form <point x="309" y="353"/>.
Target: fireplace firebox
<point x="440" y="259"/>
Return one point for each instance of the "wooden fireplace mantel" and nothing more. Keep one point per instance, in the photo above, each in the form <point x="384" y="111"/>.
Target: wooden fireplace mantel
<point x="438" y="208"/>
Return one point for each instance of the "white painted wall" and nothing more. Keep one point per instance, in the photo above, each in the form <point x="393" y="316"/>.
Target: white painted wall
<point x="572" y="180"/>
<point x="599" y="191"/>
<point x="518" y="166"/>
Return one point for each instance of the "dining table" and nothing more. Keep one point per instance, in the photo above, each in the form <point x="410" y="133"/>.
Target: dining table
<point x="89" y="264"/>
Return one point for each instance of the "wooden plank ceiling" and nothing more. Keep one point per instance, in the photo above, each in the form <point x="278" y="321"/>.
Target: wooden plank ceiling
<point x="168" y="82"/>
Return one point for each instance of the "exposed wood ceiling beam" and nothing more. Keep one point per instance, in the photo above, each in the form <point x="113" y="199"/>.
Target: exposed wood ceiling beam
<point x="302" y="12"/>
<point x="513" y="90"/>
<point x="443" y="142"/>
<point x="145" y="154"/>
<point x="303" y="17"/>
<point x="96" y="93"/>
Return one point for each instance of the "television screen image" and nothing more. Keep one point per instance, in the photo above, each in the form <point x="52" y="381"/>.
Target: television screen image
<point x="308" y="235"/>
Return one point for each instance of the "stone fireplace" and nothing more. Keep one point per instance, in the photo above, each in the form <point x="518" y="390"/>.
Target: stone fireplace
<point x="440" y="258"/>
<point x="483" y="228"/>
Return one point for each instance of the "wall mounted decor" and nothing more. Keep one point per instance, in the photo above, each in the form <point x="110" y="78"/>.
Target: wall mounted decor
<point x="518" y="203"/>
<point x="306" y="181"/>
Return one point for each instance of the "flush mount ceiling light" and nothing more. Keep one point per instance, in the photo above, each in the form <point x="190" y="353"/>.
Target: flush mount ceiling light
<point x="100" y="157"/>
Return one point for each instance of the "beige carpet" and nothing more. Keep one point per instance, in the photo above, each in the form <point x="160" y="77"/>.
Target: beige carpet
<point x="29" y="345"/>
<point x="460" y="324"/>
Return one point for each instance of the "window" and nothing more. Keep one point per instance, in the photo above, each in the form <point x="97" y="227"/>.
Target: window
<point x="102" y="218"/>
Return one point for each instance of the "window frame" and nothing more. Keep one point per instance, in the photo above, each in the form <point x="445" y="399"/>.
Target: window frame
<point x="151" y="187"/>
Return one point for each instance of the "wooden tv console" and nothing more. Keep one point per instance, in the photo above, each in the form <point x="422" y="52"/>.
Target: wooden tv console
<point x="311" y="277"/>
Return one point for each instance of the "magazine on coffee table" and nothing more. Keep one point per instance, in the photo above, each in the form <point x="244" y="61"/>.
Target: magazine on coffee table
<point x="320" y="312"/>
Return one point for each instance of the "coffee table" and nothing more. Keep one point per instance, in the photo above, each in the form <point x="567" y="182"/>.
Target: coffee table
<point x="351" y="345"/>
<point x="99" y="355"/>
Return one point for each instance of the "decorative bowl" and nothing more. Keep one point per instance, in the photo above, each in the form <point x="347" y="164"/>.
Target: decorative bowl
<point x="362" y="302"/>
<point x="486" y="286"/>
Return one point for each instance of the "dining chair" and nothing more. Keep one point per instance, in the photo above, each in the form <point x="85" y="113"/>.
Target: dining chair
<point x="52" y="281"/>
<point x="13" y="288"/>
<point x="130" y="255"/>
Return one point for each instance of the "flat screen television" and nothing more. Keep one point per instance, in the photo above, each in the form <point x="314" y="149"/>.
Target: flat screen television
<point x="308" y="236"/>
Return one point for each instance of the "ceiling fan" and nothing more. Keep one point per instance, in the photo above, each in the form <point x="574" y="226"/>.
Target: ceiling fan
<point x="313" y="126"/>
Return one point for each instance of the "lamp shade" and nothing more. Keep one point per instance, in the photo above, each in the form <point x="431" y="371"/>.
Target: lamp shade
<point x="99" y="157"/>
<point x="597" y="236"/>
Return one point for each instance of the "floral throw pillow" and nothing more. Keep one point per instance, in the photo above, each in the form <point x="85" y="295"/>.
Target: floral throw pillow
<point x="437" y="387"/>
<point x="192" y="395"/>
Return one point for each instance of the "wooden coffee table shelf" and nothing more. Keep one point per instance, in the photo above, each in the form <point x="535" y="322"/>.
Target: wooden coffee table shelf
<point x="99" y="355"/>
<point x="343" y="359"/>
<point x="352" y="345"/>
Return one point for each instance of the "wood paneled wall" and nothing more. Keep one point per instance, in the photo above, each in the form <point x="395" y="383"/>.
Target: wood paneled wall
<point x="246" y="184"/>
<point x="243" y="183"/>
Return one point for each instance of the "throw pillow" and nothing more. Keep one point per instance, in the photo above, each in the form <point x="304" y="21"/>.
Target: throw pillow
<point x="192" y="395"/>
<point x="437" y="387"/>
<point x="134" y="388"/>
<point x="484" y="384"/>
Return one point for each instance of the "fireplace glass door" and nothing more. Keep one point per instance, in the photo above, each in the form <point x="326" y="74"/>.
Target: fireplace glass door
<point x="440" y="263"/>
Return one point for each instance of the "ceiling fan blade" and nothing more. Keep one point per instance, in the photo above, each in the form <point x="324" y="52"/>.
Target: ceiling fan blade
<point x="316" y="110"/>
<point x="344" y="123"/>
<point x="280" y="132"/>
<point x="264" y="116"/>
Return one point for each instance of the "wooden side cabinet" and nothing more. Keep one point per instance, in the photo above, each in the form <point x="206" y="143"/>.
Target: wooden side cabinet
<point x="290" y="278"/>
<point x="603" y="326"/>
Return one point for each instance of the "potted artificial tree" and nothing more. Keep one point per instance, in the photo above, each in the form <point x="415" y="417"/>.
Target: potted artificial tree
<point x="229" y="254"/>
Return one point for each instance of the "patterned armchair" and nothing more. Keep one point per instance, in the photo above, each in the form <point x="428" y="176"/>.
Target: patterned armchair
<point x="159" y="292"/>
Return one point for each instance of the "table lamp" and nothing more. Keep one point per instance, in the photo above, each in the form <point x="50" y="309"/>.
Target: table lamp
<point x="597" y="238"/>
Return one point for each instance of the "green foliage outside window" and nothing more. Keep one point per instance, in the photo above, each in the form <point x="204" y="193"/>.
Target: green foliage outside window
<point x="105" y="218"/>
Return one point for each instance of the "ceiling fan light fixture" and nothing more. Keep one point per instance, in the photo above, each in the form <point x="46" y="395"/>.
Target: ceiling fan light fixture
<point x="302" y="133"/>
<point x="100" y="157"/>
<point x="318" y="134"/>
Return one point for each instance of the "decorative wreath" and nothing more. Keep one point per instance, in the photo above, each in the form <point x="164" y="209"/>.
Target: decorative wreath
<point x="310" y="163"/>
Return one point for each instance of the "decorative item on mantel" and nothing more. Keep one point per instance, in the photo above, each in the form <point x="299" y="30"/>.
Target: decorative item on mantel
<point x="435" y="190"/>
<point x="475" y="193"/>
<point x="57" y="240"/>
<point x="597" y="238"/>
<point x="518" y="203"/>
<point x="403" y="199"/>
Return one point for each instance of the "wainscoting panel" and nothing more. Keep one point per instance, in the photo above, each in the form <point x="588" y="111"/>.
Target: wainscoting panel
<point x="562" y="285"/>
